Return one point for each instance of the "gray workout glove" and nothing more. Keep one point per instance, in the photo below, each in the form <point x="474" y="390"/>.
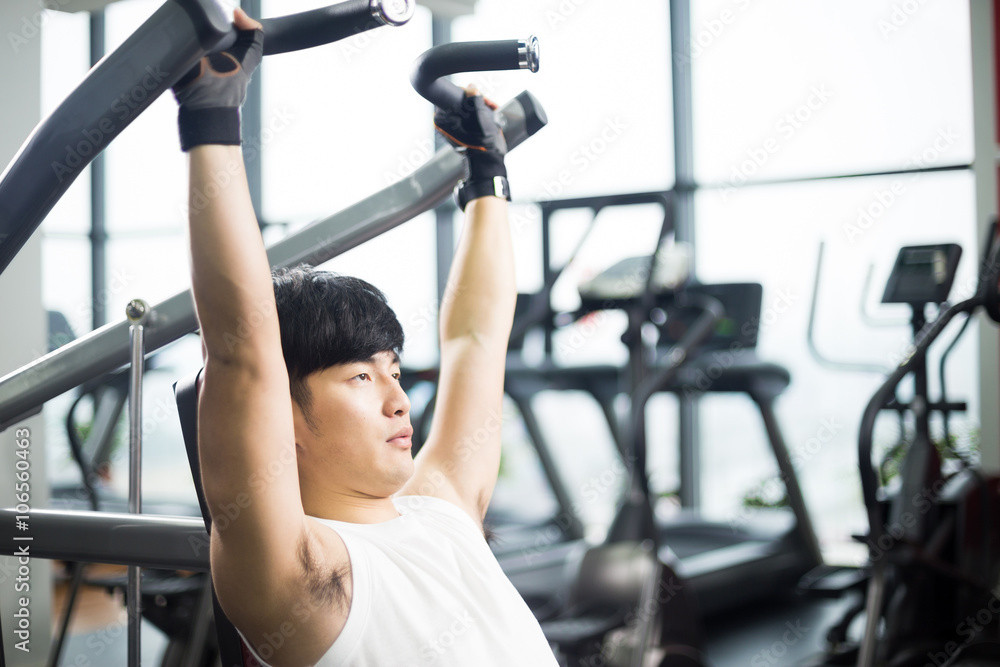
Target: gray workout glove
<point x="211" y="94"/>
<point x="474" y="130"/>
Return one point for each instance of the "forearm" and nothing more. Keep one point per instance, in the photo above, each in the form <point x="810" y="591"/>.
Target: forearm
<point x="481" y="292"/>
<point x="230" y="273"/>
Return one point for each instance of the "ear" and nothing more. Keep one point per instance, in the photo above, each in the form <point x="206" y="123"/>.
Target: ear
<point x="303" y="433"/>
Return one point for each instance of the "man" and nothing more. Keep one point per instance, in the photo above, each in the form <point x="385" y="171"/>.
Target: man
<point x="347" y="549"/>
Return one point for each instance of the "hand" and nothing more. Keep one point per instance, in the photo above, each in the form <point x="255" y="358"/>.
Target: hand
<point x="211" y="94"/>
<point x="473" y="126"/>
<point x="474" y="130"/>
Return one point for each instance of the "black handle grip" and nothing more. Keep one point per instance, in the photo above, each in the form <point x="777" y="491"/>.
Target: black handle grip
<point x="440" y="61"/>
<point x="520" y="118"/>
<point x="327" y="24"/>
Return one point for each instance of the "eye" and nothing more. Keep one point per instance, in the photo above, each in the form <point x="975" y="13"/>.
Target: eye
<point x="364" y="377"/>
<point x="396" y="375"/>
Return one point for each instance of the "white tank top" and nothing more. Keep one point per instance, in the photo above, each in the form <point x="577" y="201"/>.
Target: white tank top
<point x="428" y="591"/>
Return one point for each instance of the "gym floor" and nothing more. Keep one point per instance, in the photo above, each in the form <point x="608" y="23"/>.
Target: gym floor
<point x="776" y="634"/>
<point x="98" y="632"/>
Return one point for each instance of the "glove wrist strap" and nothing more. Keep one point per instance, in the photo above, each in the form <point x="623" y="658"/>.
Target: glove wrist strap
<point x="469" y="190"/>
<point x="215" y="125"/>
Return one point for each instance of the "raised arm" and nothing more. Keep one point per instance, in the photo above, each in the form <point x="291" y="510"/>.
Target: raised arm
<point x="461" y="458"/>
<point x="262" y="550"/>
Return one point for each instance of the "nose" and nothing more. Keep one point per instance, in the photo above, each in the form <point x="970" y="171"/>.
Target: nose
<point x="397" y="402"/>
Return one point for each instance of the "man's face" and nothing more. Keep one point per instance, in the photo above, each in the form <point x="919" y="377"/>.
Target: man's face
<point x="361" y="442"/>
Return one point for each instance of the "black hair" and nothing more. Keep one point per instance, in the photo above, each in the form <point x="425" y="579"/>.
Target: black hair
<point x="328" y="319"/>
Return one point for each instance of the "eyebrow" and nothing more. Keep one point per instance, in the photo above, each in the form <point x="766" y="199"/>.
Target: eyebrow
<point x="394" y="360"/>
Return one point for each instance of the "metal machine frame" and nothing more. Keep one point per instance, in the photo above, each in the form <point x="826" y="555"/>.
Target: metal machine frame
<point x="197" y="27"/>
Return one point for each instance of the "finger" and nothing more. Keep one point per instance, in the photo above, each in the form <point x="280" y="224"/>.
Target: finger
<point x="242" y="21"/>
<point x="490" y="103"/>
<point x="471" y="90"/>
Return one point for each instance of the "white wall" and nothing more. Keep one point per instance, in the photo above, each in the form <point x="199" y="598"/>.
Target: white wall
<point x="987" y="150"/>
<point x="22" y="328"/>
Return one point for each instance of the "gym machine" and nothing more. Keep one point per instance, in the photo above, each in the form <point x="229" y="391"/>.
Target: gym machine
<point x="934" y="543"/>
<point x="174" y="38"/>
<point x="727" y="565"/>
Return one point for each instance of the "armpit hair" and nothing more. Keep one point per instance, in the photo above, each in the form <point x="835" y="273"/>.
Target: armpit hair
<point x="325" y="585"/>
<point x="489" y="534"/>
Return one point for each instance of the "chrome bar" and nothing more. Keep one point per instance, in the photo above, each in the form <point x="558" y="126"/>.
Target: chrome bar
<point x="873" y="615"/>
<point x="392" y="12"/>
<point x="137" y="313"/>
<point x="158" y="542"/>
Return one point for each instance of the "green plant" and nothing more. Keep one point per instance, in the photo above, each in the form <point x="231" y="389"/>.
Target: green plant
<point x="119" y="436"/>
<point x="955" y="448"/>
<point x="764" y="495"/>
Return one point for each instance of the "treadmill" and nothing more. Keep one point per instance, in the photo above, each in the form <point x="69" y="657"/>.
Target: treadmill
<point x="728" y="565"/>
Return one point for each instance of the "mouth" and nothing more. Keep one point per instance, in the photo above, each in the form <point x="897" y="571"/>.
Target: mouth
<point x="402" y="438"/>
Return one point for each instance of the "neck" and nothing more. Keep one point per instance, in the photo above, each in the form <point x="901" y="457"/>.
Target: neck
<point x="350" y="508"/>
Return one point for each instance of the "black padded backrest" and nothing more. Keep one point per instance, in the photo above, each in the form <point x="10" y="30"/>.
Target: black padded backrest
<point x="186" y="395"/>
<point x="231" y="648"/>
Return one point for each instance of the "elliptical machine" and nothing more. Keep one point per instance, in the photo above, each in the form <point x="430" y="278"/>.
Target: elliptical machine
<point x="933" y="593"/>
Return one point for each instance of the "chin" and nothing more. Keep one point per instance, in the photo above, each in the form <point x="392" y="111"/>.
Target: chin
<point x="398" y="478"/>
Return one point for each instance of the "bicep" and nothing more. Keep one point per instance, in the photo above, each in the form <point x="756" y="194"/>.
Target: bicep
<point x="246" y="446"/>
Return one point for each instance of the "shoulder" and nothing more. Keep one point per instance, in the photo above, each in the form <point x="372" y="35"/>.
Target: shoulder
<point x="433" y="479"/>
<point x="438" y="510"/>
